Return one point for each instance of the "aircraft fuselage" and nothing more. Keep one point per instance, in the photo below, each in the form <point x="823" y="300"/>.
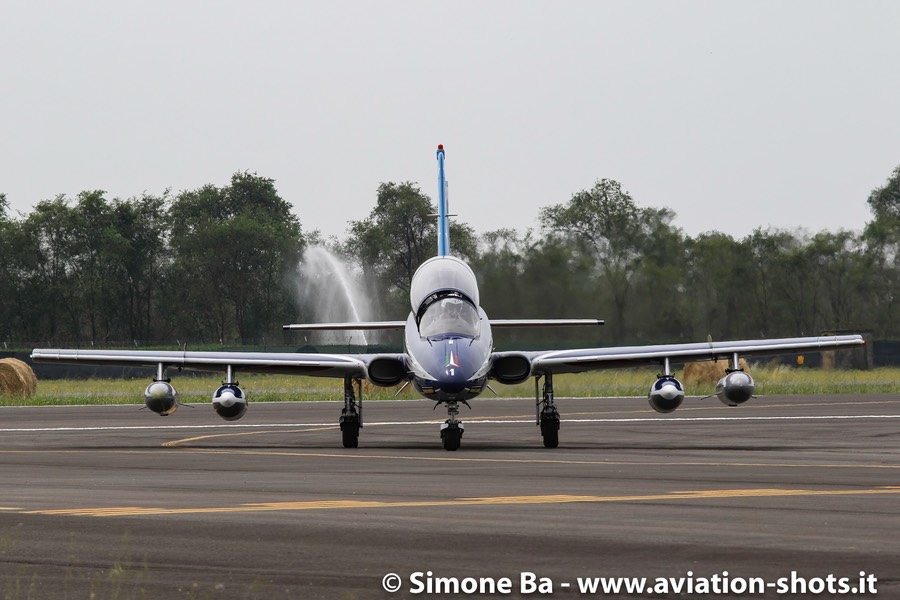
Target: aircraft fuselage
<point x="448" y="336"/>
<point x="449" y="367"/>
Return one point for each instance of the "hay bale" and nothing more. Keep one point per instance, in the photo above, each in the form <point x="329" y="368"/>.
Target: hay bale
<point x="16" y="378"/>
<point x="708" y="372"/>
<point x="10" y="382"/>
<point x="28" y="375"/>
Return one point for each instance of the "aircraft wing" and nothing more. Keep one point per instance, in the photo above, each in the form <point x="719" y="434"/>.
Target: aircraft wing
<point x="366" y="325"/>
<point x="592" y="359"/>
<point x="544" y="322"/>
<point x="316" y="365"/>
<point x="348" y="326"/>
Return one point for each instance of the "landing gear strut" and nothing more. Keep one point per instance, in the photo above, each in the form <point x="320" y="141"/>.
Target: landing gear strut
<point x="547" y="416"/>
<point x="351" y="415"/>
<point x="452" y="429"/>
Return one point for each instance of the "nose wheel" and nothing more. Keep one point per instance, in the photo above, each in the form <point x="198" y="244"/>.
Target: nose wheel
<point x="451" y="435"/>
<point x="452" y="429"/>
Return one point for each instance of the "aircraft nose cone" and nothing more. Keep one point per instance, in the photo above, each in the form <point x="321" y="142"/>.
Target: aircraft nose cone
<point x="453" y="380"/>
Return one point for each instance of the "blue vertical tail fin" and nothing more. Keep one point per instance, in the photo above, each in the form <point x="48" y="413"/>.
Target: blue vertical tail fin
<point x="443" y="228"/>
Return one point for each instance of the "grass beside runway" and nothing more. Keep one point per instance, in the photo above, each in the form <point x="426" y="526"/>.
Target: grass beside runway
<point x="618" y="382"/>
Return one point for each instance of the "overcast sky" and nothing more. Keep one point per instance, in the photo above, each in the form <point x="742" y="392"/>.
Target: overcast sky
<point x="734" y="114"/>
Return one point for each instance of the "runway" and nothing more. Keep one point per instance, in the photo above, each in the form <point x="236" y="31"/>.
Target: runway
<point x="118" y="503"/>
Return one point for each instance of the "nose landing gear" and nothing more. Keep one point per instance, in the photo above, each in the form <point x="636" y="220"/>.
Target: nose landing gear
<point x="452" y="429"/>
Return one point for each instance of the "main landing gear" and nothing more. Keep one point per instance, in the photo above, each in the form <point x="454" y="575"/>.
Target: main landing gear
<point x="547" y="416"/>
<point x="351" y="415"/>
<point x="452" y="429"/>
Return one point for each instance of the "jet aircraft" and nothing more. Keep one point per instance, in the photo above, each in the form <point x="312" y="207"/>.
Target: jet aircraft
<point x="448" y="355"/>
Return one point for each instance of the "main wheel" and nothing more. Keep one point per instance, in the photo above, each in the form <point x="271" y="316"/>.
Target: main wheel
<point x="450" y="437"/>
<point x="550" y="430"/>
<point x="350" y="431"/>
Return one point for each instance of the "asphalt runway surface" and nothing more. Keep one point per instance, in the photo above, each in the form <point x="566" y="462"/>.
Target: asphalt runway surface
<point x="108" y="502"/>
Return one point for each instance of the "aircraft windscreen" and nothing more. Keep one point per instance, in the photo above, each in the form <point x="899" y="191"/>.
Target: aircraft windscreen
<point x="442" y="273"/>
<point x="450" y="316"/>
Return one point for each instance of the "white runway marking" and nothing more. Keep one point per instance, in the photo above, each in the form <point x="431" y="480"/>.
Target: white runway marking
<point x="438" y="422"/>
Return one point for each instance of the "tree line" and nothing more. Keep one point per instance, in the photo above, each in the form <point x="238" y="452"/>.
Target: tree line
<point x="219" y="265"/>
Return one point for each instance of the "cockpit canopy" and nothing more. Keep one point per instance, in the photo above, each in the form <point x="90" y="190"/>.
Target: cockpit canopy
<point x="449" y="314"/>
<point x="442" y="274"/>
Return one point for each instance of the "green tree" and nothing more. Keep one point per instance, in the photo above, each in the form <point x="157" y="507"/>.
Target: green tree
<point x="7" y="228"/>
<point x="559" y="282"/>
<point x="527" y="276"/>
<point x="399" y="235"/>
<point x="141" y="224"/>
<point x="765" y="248"/>
<point x="842" y="268"/>
<point x="885" y="200"/>
<point x="49" y="234"/>
<point x="97" y="266"/>
<point x="882" y="238"/>
<point x="233" y="248"/>
<point x="19" y="308"/>
<point x="500" y="269"/>
<point x="614" y="231"/>
<point x="660" y="292"/>
<point x="70" y="258"/>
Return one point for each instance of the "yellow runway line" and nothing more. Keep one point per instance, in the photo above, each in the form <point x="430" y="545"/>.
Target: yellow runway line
<point x="537" y="461"/>
<point x="176" y="443"/>
<point x="133" y="511"/>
